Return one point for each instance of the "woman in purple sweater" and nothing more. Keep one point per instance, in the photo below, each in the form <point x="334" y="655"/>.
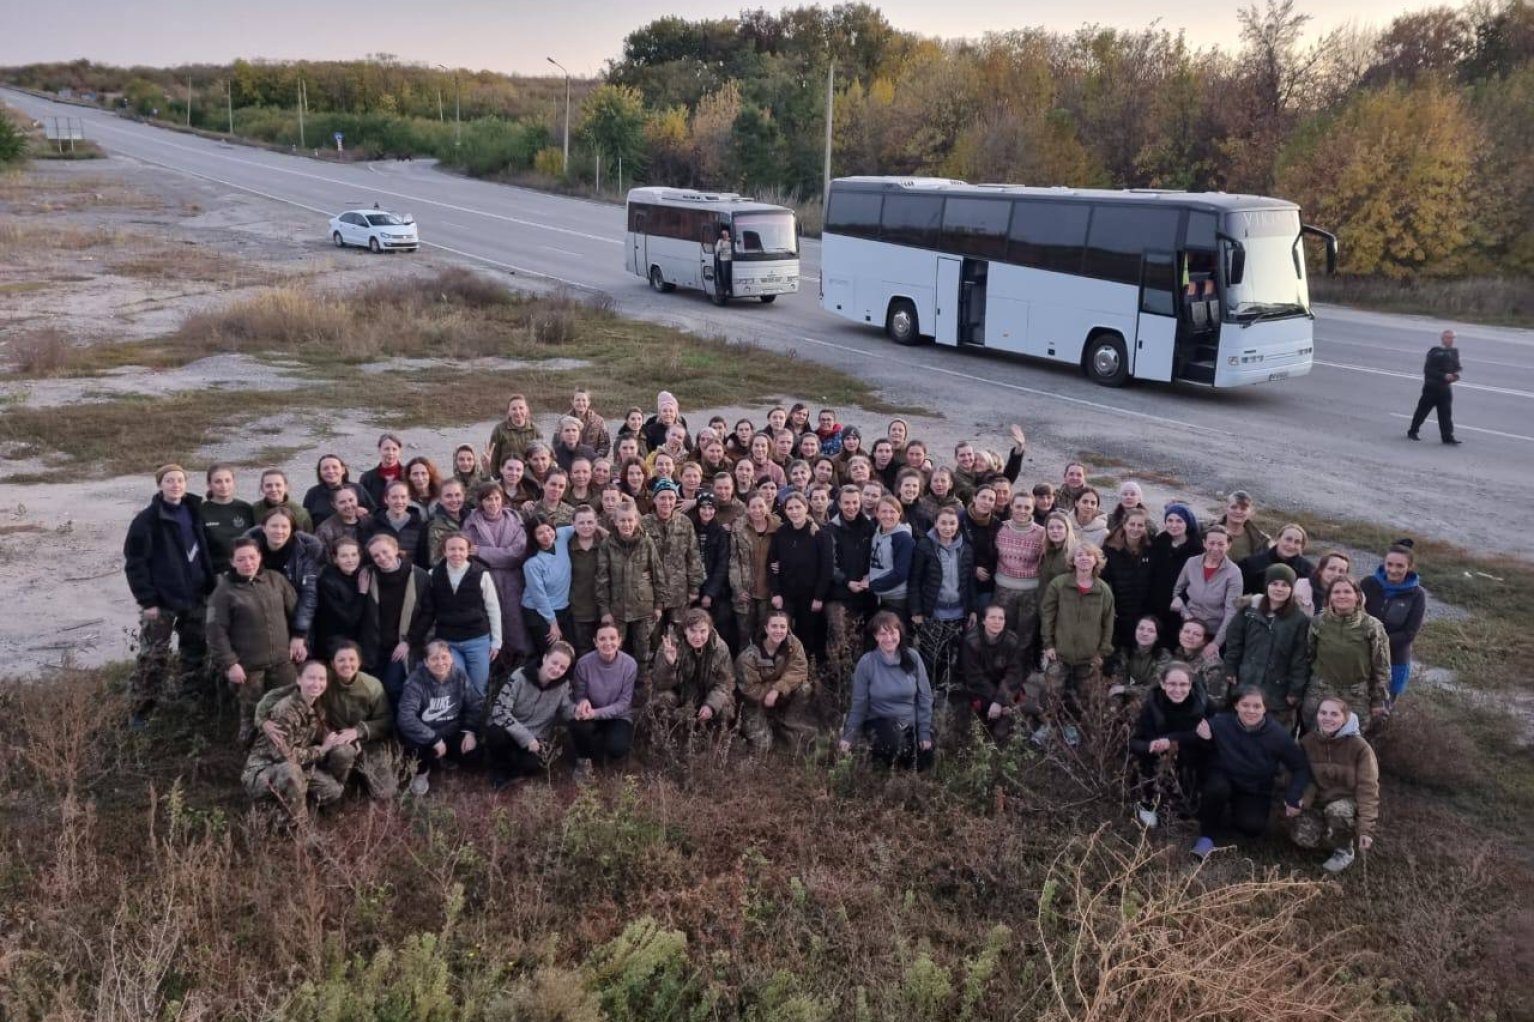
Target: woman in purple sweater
<point x="603" y="693"/>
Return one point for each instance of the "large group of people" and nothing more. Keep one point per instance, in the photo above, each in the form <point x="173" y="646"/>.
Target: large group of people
<point x="744" y="577"/>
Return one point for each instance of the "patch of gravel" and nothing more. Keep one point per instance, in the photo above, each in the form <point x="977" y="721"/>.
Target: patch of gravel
<point x="216" y="372"/>
<point x="475" y="365"/>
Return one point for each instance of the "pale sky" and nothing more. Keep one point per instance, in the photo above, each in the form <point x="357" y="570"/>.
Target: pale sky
<point x="517" y="35"/>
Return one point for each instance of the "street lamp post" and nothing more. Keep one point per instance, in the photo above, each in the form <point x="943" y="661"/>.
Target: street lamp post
<point x="561" y="67"/>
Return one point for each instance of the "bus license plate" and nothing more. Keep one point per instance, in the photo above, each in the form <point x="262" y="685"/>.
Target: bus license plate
<point x="1278" y="376"/>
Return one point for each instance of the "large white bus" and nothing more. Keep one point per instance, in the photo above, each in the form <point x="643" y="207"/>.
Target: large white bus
<point x="671" y="235"/>
<point x="1206" y="288"/>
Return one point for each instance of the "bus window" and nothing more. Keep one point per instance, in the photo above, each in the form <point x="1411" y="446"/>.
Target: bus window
<point x="976" y="227"/>
<point x="912" y="220"/>
<point x="1049" y="235"/>
<point x="766" y="233"/>
<point x="855" y="214"/>
<point x="1159" y="295"/>
<point x="1120" y="233"/>
<point x="1201" y="228"/>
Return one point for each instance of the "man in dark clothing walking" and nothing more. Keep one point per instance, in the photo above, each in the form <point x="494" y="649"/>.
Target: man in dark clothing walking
<point x="1439" y="374"/>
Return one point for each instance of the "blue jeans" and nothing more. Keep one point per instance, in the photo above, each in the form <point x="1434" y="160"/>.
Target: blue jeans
<point x="1399" y="674"/>
<point x="473" y="657"/>
<point x="392" y="677"/>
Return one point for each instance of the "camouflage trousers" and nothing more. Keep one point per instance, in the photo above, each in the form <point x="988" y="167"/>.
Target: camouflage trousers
<point x="1331" y="826"/>
<point x="787" y="720"/>
<point x="1022" y="609"/>
<point x="294" y="786"/>
<point x="154" y="657"/>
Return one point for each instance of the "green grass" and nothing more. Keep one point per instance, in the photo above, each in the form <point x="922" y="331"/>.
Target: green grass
<point x="1504" y="301"/>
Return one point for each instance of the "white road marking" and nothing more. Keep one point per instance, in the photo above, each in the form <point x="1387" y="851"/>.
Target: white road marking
<point x="563" y="251"/>
<point x="1474" y="429"/>
<point x="1385" y="347"/>
<point x="347" y="184"/>
<point x="1417" y="377"/>
<point x="1019" y="389"/>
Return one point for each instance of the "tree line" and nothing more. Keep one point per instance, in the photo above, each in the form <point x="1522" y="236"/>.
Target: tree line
<point x="1414" y="141"/>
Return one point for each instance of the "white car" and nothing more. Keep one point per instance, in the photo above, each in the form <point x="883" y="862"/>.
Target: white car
<point x="375" y="229"/>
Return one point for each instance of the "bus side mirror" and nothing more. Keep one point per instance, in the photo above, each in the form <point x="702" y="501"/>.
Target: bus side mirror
<point x="1330" y="241"/>
<point x="1235" y="259"/>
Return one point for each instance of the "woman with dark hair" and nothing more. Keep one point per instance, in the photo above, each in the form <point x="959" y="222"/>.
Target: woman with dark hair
<point x="500" y="543"/>
<point x="991" y="674"/>
<point x="1138" y="666"/>
<point x="940" y="493"/>
<point x="1091" y="523"/>
<point x="1310" y="593"/>
<point x="603" y="693"/>
<point x="1265" y="646"/>
<point x="524" y="714"/>
<point x="1343" y="799"/>
<point x="446" y="518"/>
<point x="799" y="418"/>
<point x="738" y="444"/>
<point x="297" y="557"/>
<point x="773" y="675"/>
<point x="403" y="520"/>
<point x="375" y="481"/>
<point x="466" y="468"/>
<point x="1248" y="750"/>
<point x="750" y="544"/>
<point x="1209" y="588"/>
<point x="511" y="436"/>
<point x="340" y="599"/>
<point x="225" y="517"/>
<point x="438" y="716"/>
<point x="1128" y="573"/>
<point x="331" y="477"/>
<point x="891" y="700"/>
<point x="546" y="586"/>
<point x="636" y="484"/>
<point x="425" y="484"/>
<point x="1394" y="595"/>
<point x="885" y="465"/>
<point x="694" y="680"/>
<point x="909" y="485"/>
<point x="1177" y="541"/>
<point x="799" y="565"/>
<point x="762" y="461"/>
<point x="1349" y="654"/>
<point x="1167" y="732"/>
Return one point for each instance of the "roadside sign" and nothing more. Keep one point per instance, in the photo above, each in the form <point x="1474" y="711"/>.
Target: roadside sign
<point x="339" y="137"/>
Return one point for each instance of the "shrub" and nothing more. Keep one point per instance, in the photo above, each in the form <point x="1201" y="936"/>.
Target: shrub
<point x="13" y="142"/>
<point x="550" y="161"/>
<point x="46" y="351"/>
<point x="644" y="975"/>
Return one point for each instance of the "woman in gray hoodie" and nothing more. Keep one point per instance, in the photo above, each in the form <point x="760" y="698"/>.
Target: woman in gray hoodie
<point x="891" y="700"/>
<point x="524" y="713"/>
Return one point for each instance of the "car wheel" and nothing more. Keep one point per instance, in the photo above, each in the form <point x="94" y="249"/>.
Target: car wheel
<point x="901" y="324"/>
<point x="657" y="281"/>
<point x="1106" y="361"/>
<point x="769" y="299"/>
<point x="373" y="246"/>
<point x="339" y="241"/>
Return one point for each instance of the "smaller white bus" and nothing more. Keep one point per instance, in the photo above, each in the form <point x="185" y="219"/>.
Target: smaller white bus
<point x="671" y="235"/>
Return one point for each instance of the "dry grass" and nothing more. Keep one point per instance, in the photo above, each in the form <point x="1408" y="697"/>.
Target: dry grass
<point x="188" y="263"/>
<point x="44" y="351"/>
<point x="1507" y="300"/>
<point x="19" y="239"/>
<point x="139" y="886"/>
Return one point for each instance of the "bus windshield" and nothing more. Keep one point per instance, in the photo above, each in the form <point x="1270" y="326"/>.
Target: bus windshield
<point x="1273" y="283"/>
<point x="766" y="236"/>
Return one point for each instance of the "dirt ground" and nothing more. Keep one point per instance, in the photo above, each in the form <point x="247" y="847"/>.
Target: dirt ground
<point x="112" y="250"/>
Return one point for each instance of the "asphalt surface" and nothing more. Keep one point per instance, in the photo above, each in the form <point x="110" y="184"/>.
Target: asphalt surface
<point x="1332" y="442"/>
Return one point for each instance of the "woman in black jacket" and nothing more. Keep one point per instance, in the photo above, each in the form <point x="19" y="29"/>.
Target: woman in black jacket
<point x="714" y="550"/>
<point x="1248" y="749"/>
<point x="403" y="520"/>
<point x="331" y="474"/>
<point x="1177" y="541"/>
<point x="297" y="557"/>
<point x="990" y="677"/>
<point x="341" y="600"/>
<point x="1128" y="573"/>
<point x="1167" y="733"/>
<point x="799" y="572"/>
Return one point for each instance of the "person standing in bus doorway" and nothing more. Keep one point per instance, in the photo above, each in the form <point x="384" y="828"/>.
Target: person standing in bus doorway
<point x="724" y="259"/>
<point x="1439" y="374"/>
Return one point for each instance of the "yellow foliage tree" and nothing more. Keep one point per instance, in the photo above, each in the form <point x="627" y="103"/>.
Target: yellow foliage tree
<point x="712" y="123"/>
<point x="1393" y="174"/>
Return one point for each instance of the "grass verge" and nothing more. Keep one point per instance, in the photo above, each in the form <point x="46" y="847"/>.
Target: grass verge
<point x="1505" y="301"/>
<point x="453" y="316"/>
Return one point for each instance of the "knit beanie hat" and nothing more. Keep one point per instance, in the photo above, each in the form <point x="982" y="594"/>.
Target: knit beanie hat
<point x="1278" y="573"/>
<point x="662" y="484"/>
<point x="164" y="470"/>
<point x="850" y="432"/>
<point x="705" y="499"/>
<point x="1185" y="512"/>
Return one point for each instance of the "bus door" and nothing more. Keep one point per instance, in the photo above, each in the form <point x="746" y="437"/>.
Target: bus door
<point x="1156" y="331"/>
<point x="946" y="300"/>
<point x="707" y="235"/>
<point x="639" y="244"/>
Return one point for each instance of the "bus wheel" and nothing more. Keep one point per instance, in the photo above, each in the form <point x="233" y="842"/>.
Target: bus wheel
<point x="1106" y="361"/>
<point x="901" y="324"/>
<point x="658" y="282"/>
<point x="768" y="299"/>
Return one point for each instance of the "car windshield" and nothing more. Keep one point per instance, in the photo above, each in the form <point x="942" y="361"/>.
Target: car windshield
<point x="384" y="220"/>
<point x="1273" y="283"/>
<point x="769" y="234"/>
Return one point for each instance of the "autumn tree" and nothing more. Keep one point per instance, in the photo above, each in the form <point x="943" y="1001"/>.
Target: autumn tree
<point x="1393" y="174"/>
<point x="613" y="123"/>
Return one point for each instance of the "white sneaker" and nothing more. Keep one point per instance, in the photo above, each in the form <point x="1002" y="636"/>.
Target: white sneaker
<point x="1341" y="859"/>
<point x="1147" y="817"/>
<point x="421" y="785"/>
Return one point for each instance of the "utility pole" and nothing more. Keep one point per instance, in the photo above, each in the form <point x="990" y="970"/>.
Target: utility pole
<point x="301" y="143"/>
<point x="457" y="109"/>
<point x="825" y="193"/>
<point x="229" y="85"/>
<point x="188" y="101"/>
<point x="566" y="165"/>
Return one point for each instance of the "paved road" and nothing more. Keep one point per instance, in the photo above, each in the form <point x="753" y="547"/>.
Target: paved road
<point x="1332" y="442"/>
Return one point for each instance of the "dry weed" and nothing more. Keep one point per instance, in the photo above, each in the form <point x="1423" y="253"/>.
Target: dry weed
<point x="44" y="351"/>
